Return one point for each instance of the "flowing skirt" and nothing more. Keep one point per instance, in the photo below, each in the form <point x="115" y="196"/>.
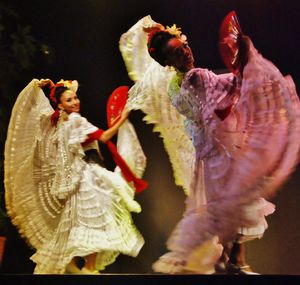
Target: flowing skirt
<point x="95" y="219"/>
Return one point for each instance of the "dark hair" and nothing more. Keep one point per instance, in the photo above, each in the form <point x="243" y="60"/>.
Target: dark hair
<point x="157" y="46"/>
<point x="57" y="95"/>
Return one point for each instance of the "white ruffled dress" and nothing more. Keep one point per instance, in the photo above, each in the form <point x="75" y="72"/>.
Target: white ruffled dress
<point x="63" y="206"/>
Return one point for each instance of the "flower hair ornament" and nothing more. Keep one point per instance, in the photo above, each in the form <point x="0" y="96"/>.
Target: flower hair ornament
<point x="173" y="30"/>
<point x="70" y="85"/>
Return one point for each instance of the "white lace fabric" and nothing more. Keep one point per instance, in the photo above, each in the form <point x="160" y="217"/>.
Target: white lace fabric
<point x="150" y="94"/>
<point x="62" y="205"/>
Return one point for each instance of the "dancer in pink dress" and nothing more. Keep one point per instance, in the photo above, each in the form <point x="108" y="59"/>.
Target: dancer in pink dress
<point x="245" y="130"/>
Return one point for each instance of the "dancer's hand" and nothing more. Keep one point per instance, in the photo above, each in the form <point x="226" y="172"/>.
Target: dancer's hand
<point x="244" y="51"/>
<point x="155" y="28"/>
<point x="125" y="113"/>
<point x="44" y="82"/>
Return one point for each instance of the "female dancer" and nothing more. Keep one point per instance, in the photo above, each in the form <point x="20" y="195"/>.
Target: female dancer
<point x="61" y="200"/>
<point x="245" y="130"/>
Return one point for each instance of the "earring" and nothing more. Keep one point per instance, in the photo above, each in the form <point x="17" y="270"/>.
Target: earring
<point x="63" y="115"/>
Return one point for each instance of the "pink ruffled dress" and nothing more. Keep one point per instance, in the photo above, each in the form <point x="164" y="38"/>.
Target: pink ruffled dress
<point x="246" y="134"/>
<point x="232" y="143"/>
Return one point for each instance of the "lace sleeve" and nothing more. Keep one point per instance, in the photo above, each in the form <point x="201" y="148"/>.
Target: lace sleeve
<point x="129" y="147"/>
<point x="30" y="166"/>
<point x="78" y="128"/>
<point x="133" y="47"/>
<point x="150" y="94"/>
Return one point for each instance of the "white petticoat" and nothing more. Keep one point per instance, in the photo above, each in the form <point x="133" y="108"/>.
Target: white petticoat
<point x="95" y="219"/>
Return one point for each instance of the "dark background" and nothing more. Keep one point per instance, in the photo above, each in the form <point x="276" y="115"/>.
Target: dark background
<point x="83" y="38"/>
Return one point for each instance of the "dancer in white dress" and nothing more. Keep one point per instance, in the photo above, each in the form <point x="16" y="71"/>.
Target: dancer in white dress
<point x="62" y="202"/>
<point x="234" y="143"/>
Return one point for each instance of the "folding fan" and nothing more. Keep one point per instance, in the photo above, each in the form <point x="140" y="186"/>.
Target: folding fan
<point x="229" y="42"/>
<point x="115" y="104"/>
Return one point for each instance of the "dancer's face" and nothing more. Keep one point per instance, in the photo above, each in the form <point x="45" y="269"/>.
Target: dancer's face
<point x="179" y="55"/>
<point x="69" y="102"/>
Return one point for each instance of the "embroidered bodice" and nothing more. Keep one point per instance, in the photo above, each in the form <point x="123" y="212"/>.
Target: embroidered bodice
<point x="197" y="96"/>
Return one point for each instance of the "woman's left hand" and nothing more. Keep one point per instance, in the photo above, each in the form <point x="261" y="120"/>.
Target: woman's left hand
<point x="244" y="51"/>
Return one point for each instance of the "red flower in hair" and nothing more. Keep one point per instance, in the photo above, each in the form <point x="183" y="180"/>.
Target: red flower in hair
<point x="62" y="83"/>
<point x="52" y="93"/>
<point x="173" y="30"/>
<point x="152" y="31"/>
<point x="54" y="117"/>
<point x="151" y="34"/>
<point x="151" y="50"/>
<point x="69" y="84"/>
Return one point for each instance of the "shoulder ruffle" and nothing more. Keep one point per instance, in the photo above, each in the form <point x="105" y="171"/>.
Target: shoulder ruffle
<point x="78" y="128"/>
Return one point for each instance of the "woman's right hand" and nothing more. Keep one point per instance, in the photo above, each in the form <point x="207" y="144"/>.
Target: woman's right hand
<point x="125" y="113"/>
<point x="44" y="82"/>
<point x="109" y="133"/>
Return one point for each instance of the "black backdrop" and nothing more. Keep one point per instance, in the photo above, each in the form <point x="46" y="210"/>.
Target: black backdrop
<point x="84" y="36"/>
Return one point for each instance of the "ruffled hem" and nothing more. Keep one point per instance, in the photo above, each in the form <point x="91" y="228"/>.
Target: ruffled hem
<point x="201" y="260"/>
<point x="82" y="241"/>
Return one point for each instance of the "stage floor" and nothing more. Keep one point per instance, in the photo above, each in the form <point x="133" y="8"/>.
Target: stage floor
<point x="148" y="279"/>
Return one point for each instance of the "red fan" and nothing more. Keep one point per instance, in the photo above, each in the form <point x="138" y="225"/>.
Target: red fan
<point x="229" y="42"/>
<point x="115" y="104"/>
